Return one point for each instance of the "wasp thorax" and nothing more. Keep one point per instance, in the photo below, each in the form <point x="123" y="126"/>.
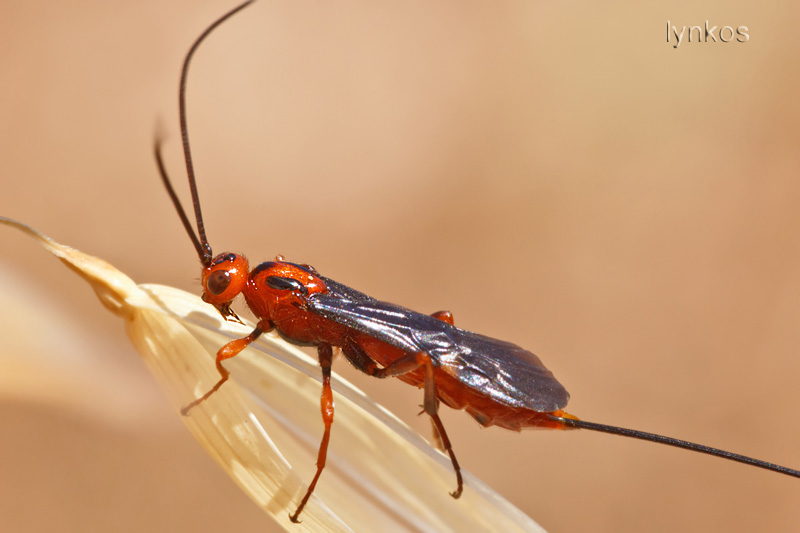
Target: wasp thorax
<point x="224" y="278"/>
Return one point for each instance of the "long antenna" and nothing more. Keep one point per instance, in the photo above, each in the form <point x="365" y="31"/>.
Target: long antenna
<point x="204" y="252"/>
<point x="669" y="441"/>
<point x="200" y="241"/>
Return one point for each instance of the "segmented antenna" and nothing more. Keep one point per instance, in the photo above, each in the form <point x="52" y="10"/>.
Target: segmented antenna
<point x="199" y="240"/>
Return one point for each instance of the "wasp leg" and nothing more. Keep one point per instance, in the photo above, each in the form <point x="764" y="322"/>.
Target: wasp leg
<point x="359" y="358"/>
<point x="436" y="438"/>
<point x="431" y="406"/>
<point x="326" y="404"/>
<point x="408" y="363"/>
<point x="226" y="352"/>
<point x="444" y="316"/>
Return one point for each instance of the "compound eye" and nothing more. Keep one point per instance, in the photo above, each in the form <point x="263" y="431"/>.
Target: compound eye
<point x="286" y="284"/>
<point x="218" y="282"/>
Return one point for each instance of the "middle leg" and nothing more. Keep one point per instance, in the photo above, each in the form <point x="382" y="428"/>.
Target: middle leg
<point x="408" y="363"/>
<point x="326" y="405"/>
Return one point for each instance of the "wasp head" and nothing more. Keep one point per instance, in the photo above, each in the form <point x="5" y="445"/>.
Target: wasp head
<point x="223" y="279"/>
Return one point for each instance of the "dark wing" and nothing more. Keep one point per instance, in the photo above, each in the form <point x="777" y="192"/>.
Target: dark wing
<point x="499" y="369"/>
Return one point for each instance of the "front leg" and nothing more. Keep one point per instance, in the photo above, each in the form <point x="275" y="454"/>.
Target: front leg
<point x="226" y="352"/>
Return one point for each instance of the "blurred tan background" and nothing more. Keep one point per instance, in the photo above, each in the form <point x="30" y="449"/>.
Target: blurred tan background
<point x="554" y="173"/>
